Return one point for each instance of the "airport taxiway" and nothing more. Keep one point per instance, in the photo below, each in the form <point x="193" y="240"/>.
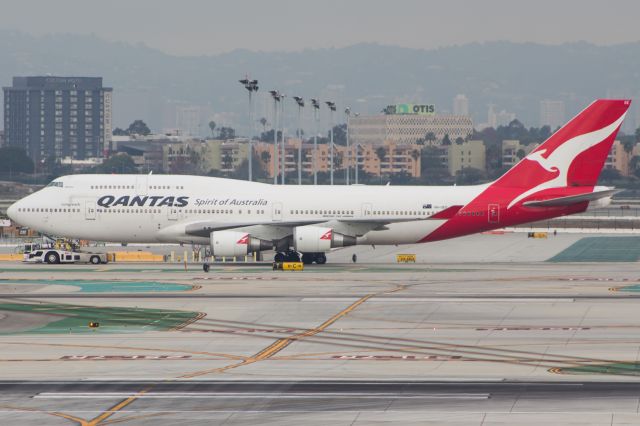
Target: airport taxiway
<point x="446" y="343"/>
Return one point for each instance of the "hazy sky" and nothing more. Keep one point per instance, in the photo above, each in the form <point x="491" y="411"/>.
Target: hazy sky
<point x="191" y="27"/>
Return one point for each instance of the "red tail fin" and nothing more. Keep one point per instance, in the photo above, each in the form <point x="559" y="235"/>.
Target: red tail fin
<point x="577" y="151"/>
<point x="565" y="165"/>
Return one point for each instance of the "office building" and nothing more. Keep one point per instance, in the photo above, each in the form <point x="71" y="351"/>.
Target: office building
<point x="58" y="116"/>
<point x="407" y="124"/>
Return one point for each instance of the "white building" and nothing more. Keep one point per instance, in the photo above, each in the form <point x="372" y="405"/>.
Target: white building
<point x="460" y="105"/>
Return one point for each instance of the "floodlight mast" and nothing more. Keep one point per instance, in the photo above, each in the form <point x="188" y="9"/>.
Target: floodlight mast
<point x="316" y="109"/>
<point x="251" y="86"/>
<point x="300" y="103"/>
<point x="332" y="109"/>
<point x="276" y="98"/>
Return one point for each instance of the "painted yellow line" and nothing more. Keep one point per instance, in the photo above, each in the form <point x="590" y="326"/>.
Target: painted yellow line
<point x="281" y="344"/>
<point x="78" y="420"/>
<point x="114" y="409"/>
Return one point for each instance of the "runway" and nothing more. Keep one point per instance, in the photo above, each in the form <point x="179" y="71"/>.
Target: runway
<point x="319" y="402"/>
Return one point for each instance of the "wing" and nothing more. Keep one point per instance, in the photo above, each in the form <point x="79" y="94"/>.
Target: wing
<point x="277" y="230"/>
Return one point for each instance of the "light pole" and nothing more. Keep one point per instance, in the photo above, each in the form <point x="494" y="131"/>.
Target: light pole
<point x="300" y="103"/>
<point x="283" y="163"/>
<point x="347" y="112"/>
<point x="332" y="108"/>
<point x="276" y="98"/>
<point x="316" y="108"/>
<point x="357" y="153"/>
<point x="251" y="86"/>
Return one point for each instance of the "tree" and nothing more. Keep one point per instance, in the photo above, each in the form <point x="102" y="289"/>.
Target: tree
<point x="263" y="121"/>
<point x="15" y="160"/>
<point x="432" y="167"/>
<point x="138" y="127"/>
<point x="459" y="141"/>
<point x="227" y="160"/>
<point x="119" y="132"/>
<point x="268" y="136"/>
<point x="118" y="164"/>
<point x="470" y="176"/>
<point x="415" y="155"/>
<point x="446" y="140"/>
<point x="226" y="133"/>
<point x="609" y="175"/>
<point x="265" y="156"/>
<point x="430" y="137"/>
<point x="381" y="152"/>
<point x="258" y="172"/>
<point x="520" y="154"/>
<point x="637" y="134"/>
<point x="340" y="134"/>
<point x="212" y="126"/>
<point x="628" y="145"/>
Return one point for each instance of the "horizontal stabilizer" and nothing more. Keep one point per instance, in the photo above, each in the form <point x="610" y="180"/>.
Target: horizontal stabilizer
<point x="571" y="199"/>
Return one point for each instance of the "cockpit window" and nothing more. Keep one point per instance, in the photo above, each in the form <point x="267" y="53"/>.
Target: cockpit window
<point x="54" y="183"/>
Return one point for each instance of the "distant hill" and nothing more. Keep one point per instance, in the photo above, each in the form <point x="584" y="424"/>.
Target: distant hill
<point x="148" y="83"/>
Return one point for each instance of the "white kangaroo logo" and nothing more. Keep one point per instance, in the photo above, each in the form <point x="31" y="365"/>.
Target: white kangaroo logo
<point x="561" y="158"/>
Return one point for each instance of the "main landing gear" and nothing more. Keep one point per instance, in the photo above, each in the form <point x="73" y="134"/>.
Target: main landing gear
<point x="309" y="258"/>
<point x="287" y="256"/>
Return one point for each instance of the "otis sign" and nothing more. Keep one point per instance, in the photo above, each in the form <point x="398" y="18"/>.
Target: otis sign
<point x="142" y="201"/>
<point x="410" y="109"/>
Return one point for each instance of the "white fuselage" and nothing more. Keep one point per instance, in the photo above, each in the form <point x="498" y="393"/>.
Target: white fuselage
<point x="159" y="208"/>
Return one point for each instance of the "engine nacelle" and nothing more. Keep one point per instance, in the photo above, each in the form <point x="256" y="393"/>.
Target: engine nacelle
<point x="316" y="239"/>
<point x="235" y="243"/>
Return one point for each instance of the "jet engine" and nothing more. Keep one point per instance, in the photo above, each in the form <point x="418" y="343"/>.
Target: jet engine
<point x="235" y="243"/>
<point x="316" y="239"/>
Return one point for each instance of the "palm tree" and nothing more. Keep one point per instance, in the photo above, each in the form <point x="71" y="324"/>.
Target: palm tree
<point x="415" y="154"/>
<point x="430" y="137"/>
<point x="263" y="121"/>
<point x="381" y="153"/>
<point x="212" y="126"/>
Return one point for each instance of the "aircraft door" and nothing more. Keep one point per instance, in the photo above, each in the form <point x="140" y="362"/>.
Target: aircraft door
<point x="277" y="212"/>
<point x="493" y="213"/>
<point x="142" y="184"/>
<point x="90" y="210"/>
<point x="366" y="209"/>
<point x="173" y="213"/>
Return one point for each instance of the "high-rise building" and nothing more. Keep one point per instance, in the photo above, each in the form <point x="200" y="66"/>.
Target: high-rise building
<point x="460" y="105"/>
<point x="552" y="114"/>
<point x="58" y="116"/>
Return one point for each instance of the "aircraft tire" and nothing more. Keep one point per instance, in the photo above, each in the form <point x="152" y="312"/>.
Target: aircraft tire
<point x="321" y="258"/>
<point x="95" y="260"/>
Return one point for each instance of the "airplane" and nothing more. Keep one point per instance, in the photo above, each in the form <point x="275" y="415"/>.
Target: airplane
<point x="303" y="223"/>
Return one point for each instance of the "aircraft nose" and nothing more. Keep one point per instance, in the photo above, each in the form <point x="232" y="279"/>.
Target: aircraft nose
<point x="12" y="210"/>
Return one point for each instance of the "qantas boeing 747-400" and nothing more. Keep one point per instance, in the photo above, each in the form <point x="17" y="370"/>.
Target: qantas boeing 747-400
<point x="237" y="217"/>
